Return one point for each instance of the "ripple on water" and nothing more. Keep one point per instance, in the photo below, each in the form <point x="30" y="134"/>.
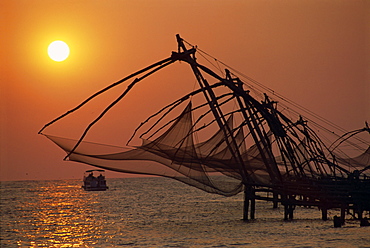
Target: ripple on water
<point x="150" y="212"/>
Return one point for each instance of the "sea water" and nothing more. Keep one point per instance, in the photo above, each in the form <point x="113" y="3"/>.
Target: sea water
<point x="156" y="212"/>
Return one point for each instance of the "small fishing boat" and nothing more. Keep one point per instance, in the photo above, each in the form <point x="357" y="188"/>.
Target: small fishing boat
<point x="94" y="180"/>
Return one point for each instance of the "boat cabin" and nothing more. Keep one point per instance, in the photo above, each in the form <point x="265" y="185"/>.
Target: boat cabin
<point x="94" y="180"/>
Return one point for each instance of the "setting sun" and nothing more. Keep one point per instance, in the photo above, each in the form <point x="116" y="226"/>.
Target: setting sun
<point x="58" y="51"/>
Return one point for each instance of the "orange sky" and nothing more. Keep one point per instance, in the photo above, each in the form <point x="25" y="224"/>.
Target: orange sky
<point x="315" y="53"/>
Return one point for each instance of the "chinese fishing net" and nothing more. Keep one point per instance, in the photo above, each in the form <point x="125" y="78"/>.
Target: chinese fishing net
<point x="251" y="142"/>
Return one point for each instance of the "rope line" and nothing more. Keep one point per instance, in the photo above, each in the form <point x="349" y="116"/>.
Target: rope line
<point x="285" y="100"/>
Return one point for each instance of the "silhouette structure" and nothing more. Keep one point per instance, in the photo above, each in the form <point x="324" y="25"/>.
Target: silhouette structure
<point x="254" y="146"/>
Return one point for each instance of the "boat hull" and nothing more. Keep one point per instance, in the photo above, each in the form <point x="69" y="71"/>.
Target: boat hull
<point x="95" y="188"/>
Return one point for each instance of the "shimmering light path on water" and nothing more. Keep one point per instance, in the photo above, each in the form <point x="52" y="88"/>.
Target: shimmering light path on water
<point x="155" y="212"/>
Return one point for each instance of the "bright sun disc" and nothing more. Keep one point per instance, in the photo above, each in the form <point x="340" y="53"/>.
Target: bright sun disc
<point x="58" y="50"/>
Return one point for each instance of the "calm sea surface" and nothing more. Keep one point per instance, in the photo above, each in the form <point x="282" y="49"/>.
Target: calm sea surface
<point x="156" y="212"/>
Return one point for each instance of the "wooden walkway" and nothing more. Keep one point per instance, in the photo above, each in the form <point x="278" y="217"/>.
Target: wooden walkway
<point x="350" y="195"/>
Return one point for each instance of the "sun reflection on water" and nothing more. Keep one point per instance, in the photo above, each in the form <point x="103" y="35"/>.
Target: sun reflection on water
<point x="60" y="216"/>
<point x="154" y="212"/>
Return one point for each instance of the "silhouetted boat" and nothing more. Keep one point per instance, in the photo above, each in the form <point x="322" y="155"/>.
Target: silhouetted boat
<point x="93" y="182"/>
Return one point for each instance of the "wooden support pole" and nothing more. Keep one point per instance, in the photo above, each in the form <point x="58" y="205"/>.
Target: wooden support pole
<point x="342" y="214"/>
<point x="324" y="213"/>
<point x="291" y="211"/>
<point x="276" y="200"/>
<point x="286" y="211"/>
<point x="249" y="201"/>
<point x="359" y="212"/>
<point x="253" y="203"/>
<point x="288" y="208"/>
<point x="337" y="221"/>
<point x="246" y="204"/>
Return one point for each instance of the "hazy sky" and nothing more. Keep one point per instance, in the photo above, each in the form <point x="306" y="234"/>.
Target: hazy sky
<point x="315" y="53"/>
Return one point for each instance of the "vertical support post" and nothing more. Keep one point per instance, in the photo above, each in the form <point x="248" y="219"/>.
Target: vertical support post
<point x="253" y="203"/>
<point x="291" y="211"/>
<point x="324" y="213"/>
<point x="337" y="221"/>
<point x="246" y="204"/>
<point x="359" y="212"/>
<point x="342" y="214"/>
<point x="286" y="211"/>
<point x="249" y="201"/>
<point x="275" y="200"/>
<point x="288" y="208"/>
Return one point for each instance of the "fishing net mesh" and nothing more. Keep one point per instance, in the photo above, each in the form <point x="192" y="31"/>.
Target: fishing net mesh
<point x="208" y="165"/>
